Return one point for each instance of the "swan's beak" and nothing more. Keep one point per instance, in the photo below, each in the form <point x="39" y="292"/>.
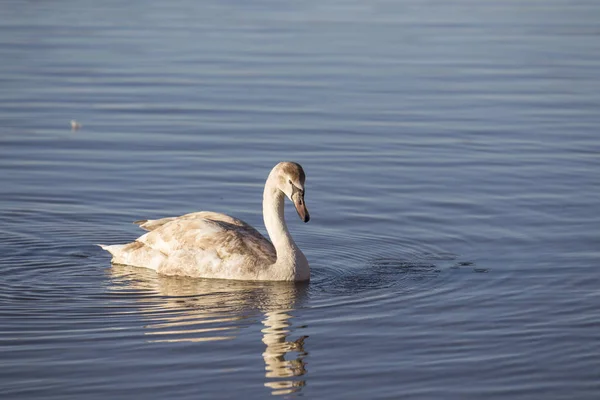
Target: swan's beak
<point x="298" y="199"/>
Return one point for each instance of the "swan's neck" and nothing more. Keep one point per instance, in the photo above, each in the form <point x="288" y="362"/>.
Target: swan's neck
<point x="290" y="260"/>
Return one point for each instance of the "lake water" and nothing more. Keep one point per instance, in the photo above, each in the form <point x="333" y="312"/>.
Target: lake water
<point x="452" y="152"/>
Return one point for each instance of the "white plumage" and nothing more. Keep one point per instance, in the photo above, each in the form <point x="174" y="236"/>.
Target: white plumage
<point x="213" y="245"/>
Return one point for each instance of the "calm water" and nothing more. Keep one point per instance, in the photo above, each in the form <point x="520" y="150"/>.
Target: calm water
<point x="453" y="158"/>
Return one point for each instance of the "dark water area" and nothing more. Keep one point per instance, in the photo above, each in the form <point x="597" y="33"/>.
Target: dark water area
<point x="452" y="152"/>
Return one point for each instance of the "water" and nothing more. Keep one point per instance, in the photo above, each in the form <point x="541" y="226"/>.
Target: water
<point x="452" y="156"/>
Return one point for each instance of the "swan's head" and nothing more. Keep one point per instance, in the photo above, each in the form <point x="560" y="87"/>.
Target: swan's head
<point x="290" y="180"/>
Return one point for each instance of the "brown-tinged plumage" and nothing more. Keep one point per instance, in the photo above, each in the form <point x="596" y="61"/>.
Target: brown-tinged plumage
<point x="213" y="245"/>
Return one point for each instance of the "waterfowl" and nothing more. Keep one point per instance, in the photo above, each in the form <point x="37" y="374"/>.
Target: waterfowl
<point x="212" y="245"/>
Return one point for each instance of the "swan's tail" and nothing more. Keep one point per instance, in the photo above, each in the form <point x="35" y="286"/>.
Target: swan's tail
<point x="135" y="254"/>
<point x="115" y="249"/>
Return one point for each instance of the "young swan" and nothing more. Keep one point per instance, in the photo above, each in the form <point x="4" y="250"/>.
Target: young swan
<point x="211" y="245"/>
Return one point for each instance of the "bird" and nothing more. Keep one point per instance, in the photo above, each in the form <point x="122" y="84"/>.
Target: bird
<point x="207" y="244"/>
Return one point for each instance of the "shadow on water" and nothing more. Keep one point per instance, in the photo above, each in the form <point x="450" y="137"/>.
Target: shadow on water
<point x="202" y="310"/>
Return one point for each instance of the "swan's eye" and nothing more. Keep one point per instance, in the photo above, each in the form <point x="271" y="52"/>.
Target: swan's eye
<point x="290" y="181"/>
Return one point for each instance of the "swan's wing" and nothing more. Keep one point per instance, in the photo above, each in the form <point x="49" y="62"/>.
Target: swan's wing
<point x="201" y="244"/>
<point x="152" y="224"/>
<point x="210" y="245"/>
<point x="203" y="233"/>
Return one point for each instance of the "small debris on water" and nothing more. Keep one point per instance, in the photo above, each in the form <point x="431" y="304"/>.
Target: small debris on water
<point x="75" y="125"/>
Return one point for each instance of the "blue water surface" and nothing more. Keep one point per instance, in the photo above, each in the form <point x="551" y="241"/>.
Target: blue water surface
<point x="452" y="152"/>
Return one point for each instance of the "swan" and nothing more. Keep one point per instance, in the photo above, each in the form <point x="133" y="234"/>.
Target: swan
<point x="212" y="245"/>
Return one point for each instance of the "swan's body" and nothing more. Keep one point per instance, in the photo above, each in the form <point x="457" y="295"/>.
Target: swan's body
<point x="212" y="245"/>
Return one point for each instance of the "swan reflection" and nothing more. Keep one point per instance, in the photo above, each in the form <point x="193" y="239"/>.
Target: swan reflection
<point x="198" y="310"/>
<point x="275" y="335"/>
